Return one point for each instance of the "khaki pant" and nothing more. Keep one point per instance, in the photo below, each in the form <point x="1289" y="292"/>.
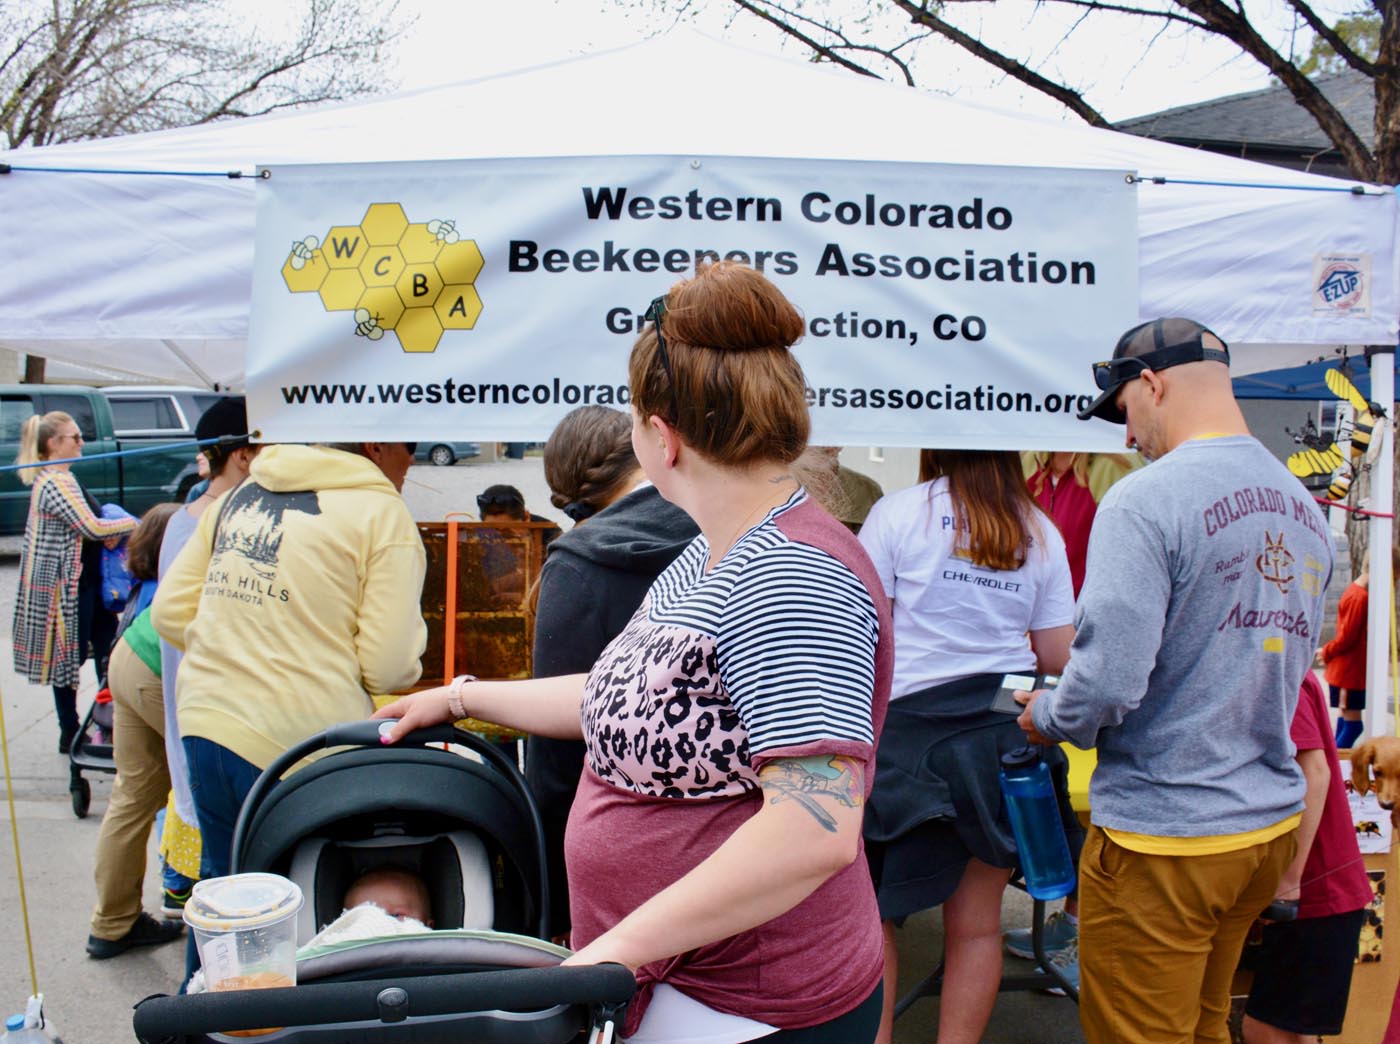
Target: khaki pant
<point x="138" y="746"/>
<point x="1160" y="936"/>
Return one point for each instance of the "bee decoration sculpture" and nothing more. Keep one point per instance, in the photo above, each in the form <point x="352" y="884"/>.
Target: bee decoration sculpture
<point x="1364" y="423"/>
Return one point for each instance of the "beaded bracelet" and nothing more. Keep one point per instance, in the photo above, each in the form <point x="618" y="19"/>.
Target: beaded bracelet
<point x="456" y="705"/>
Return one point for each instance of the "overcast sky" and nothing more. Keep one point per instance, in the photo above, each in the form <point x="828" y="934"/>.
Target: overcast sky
<point x="1124" y="67"/>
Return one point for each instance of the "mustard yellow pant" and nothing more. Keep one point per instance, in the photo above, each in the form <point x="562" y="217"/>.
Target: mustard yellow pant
<point x="138" y="747"/>
<point x="1160" y="936"/>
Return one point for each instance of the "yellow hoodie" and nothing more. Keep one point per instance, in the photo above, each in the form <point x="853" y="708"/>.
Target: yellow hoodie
<point x="304" y="602"/>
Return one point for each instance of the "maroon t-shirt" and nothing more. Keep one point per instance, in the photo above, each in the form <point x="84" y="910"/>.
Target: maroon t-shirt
<point x="1334" y="877"/>
<point x="782" y="650"/>
<point x="1073" y="508"/>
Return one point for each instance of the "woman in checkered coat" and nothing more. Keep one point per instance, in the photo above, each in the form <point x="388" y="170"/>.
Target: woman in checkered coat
<point x="51" y="627"/>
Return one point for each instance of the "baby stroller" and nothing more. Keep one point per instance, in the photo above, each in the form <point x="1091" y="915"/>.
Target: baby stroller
<point x="463" y="819"/>
<point x="91" y="751"/>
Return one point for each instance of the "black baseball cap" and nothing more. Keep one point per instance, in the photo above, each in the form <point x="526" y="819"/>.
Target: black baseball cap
<point x="227" y="418"/>
<point x="1155" y="345"/>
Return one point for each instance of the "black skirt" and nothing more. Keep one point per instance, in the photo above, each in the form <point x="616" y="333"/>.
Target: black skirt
<point x="937" y="801"/>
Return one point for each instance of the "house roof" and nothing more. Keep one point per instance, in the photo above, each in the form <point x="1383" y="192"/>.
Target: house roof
<point x="1267" y="119"/>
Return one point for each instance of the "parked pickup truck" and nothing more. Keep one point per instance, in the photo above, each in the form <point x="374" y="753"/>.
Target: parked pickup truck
<point x="110" y="419"/>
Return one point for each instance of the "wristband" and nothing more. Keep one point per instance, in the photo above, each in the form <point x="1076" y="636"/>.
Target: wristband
<point x="456" y="706"/>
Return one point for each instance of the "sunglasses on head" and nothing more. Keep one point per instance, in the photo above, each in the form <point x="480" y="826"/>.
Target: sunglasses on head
<point x="656" y="311"/>
<point x="498" y="500"/>
<point x="1113" y="372"/>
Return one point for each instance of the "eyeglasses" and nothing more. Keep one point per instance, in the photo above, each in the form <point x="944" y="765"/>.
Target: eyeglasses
<point x="656" y="311"/>
<point x="77" y="437"/>
<point x="412" y="447"/>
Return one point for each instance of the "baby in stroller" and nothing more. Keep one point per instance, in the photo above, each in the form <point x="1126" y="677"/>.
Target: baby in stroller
<point x="397" y="892"/>
<point x="460" y="824"/>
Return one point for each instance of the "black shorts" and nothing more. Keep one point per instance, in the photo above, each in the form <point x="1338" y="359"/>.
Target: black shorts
<point x="1302" y="973"/>
<point x="1356" y="698"/>
<point x="857" y="1026"/>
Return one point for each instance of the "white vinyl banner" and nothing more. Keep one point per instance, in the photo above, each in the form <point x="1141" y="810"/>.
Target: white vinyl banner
<point x="945" y="306"/>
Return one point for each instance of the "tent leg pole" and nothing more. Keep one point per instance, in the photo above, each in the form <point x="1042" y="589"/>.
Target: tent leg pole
<point x="1378" y="713"/>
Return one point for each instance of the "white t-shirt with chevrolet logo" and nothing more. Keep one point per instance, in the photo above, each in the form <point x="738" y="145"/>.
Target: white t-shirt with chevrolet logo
<point x="952" y="618"/>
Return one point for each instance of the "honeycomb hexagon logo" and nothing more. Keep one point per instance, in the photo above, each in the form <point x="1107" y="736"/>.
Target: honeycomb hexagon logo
<point x="414" y="279"/>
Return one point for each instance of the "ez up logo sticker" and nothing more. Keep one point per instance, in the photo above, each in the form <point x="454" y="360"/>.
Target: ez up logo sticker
<point x="1341" y="284"/>
<point x="413" y="279"/>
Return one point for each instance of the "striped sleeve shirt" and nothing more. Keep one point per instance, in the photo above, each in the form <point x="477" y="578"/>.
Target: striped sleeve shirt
<point x="770" y="653"/>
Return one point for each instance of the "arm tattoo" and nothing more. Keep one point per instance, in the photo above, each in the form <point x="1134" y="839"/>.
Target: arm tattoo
<point x="805" y="779"/>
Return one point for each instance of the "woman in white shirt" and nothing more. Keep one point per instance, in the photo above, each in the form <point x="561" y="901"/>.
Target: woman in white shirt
<point x="981" y="588"/>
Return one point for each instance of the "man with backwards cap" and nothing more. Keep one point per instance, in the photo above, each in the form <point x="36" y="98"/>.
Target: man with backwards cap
<point x="1197" y="620"/>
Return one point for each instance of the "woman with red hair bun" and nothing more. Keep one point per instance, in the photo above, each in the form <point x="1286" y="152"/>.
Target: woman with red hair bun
<point x="715" y="843"/>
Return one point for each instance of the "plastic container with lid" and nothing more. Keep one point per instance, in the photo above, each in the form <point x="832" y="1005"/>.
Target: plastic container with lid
<point x="245" y="928"/>
<point x="17" y="1033"/>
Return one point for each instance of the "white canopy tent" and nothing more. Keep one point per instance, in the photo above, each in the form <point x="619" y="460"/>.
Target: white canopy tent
<point x="150" y="274"/>
<point x="156" y="271"/>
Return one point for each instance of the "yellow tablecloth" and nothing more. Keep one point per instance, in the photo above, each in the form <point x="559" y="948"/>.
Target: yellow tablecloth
<point x="1081" y="767"/>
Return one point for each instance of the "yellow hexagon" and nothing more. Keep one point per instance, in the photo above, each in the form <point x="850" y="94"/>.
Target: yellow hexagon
<point x="419" y="246"/>
<point x="458" y="306"/>
<point x="383" y="304"/>
<point x="418" y="330"/>
<point x="419" y="286"/>
<point x="381" y="266"/>
<point x="309" y="276"/>
<point x="342" y="288"/>
<point x="459" y="262"/>
<point x="345" y="246"/>
<point x="384" y="223"/>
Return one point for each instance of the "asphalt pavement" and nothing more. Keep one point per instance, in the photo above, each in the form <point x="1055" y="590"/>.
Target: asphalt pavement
<point x="90" y="1001"/>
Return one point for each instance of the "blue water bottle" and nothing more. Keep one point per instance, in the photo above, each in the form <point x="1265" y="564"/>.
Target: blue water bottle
<point x="1035" y="820"/>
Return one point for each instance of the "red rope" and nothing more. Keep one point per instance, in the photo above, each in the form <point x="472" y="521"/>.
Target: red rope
<point x="1354" y="510"/>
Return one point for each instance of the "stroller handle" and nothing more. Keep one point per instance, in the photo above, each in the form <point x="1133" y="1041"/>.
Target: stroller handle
<point x="162" y="1018"/>
<point x="366" y="733"/>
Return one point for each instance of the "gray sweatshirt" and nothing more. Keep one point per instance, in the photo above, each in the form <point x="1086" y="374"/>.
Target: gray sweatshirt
<point x="1198" y="618"/>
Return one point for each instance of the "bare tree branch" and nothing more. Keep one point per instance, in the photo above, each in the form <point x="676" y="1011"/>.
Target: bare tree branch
<point x="1222" y="19"/>
<point x="1231" y="23"/>
<point x="1071" y="99"/>
<point x="74" y="69"/>
<point x="819" y="49"/>
<point x="1343" y="49"/>
<point x="1166" y="16"/>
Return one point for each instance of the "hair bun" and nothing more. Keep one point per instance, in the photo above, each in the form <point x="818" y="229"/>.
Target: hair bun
<point x="730" y="307"/>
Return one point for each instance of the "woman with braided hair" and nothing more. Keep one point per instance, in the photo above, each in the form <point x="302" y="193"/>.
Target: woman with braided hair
<point x="591" y="584"/>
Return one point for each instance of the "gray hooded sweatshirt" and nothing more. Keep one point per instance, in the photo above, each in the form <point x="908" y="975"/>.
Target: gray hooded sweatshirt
<point x="1198" y="618"/>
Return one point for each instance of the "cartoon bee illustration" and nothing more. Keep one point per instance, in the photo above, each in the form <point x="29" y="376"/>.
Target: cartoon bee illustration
<point x="1364" y="424"/>
<point x="446" y="231"/>
<point x="367" y="324"/>
<point x="302" y="252"/>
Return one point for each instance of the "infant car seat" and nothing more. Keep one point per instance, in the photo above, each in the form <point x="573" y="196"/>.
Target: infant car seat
<point x="469" y="827"/>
